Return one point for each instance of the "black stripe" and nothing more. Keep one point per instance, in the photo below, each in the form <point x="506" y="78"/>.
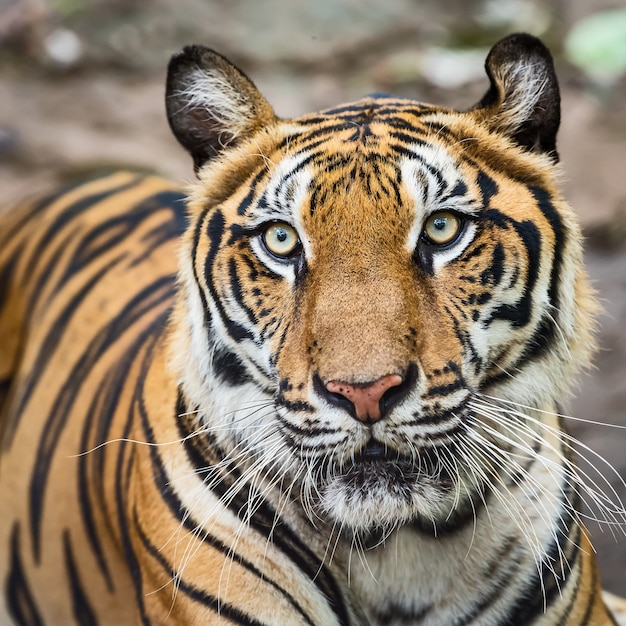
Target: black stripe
<point x="330" y="129"/>
<point x="498" y="574"/>
<point x="215" y="230"/>
<point x="113" y="231"/>
<point x="308" y="432"/>
<point x="406" y="139"/>
<point x="160" y="235"/>
<point x="194" y="253"/>
<point x="20" y="601"/>
<point x="154" y="295"/>
<point x="163" y="484"/>
<point x="53" y="262"/>
<point x="81" y="607"/>
<point x="42" y="204"/>
<point x="245" y="204"/>
<point x="5" y="274"/>
<point x="546" y="331"/>
<point x="91" y="487"/>
<point x="88" y="484"/>
<point x="237" y="292"/>
<point x="228" y="367"/>
<point x="395" y="613"/>
<point x="544" y="202"/>
<point x="545" y="589"/>
<point x="125" y="465"/>
<point x="265" y="517"/>
<point x="348" y="111"/>
<point x="446" y="390"/>
<point x="488" y="187"/>
<point x="74" y="210"/>
<point x="219" y="607"/>
<point x="48" y="345"/>
<point x="492" y="275"/>
<point x="519" y="314"/>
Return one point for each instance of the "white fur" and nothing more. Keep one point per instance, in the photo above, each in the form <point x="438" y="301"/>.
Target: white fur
<point x="527" y="83"/>
<point x="211" y="92"/>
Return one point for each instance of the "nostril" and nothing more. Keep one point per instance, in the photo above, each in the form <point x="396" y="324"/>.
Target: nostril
<point x="336" y="399"/>
<point x="396" y="394"/>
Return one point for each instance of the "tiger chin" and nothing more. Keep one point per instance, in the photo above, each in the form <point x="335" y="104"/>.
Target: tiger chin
<point x="320" y="387"/>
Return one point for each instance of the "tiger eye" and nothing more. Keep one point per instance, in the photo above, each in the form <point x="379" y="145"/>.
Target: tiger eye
<point x="442" y="228"/>
<point x="281" y="240"/>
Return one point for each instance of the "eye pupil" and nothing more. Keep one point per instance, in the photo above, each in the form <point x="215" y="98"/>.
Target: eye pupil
<point x="440" y="223"/>
<point x="281" y="234"/>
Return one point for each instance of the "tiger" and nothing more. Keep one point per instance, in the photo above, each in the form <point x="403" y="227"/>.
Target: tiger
<point x="321" y="386"/>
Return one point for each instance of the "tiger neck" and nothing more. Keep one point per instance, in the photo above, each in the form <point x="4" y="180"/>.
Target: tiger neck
<point x="494" y="554"/>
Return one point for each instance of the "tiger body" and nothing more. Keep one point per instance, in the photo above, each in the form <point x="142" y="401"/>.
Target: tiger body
<point x="207" y="419"/>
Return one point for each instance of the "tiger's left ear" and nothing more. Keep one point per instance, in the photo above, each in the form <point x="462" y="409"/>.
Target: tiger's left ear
<point x="211" y="105"/>
<point x="523" y="101"/>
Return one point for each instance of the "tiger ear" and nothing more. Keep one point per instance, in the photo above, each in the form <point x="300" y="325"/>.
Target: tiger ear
<point x="523" y="101"/>
<point x="211" y="105"/>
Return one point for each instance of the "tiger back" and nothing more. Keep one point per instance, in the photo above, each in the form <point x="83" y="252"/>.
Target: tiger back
<point x="323" y="389"/>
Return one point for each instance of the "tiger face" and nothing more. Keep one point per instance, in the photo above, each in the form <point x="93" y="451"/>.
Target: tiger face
<point x="364" y="286"/>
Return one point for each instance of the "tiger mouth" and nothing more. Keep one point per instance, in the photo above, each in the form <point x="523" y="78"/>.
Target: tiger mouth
<point x="377" y="462"/>
<point x="381" y="487"/>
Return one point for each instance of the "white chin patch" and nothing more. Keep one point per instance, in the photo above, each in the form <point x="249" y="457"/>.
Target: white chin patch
<point x="383" y="496"/>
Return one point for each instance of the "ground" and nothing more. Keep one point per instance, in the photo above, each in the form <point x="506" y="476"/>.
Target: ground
<point x="81" y="88"/>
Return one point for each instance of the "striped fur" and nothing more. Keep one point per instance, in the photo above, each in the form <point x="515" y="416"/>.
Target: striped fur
<point x="171" y="450"/>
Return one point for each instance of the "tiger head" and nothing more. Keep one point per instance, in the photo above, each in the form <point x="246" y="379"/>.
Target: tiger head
<point x="363" y="288"/>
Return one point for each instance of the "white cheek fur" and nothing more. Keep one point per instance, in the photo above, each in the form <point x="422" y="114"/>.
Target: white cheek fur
<point x="445" y="256"/>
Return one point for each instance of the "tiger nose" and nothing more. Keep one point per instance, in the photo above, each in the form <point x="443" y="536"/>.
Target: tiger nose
<point x="364" y="399"/>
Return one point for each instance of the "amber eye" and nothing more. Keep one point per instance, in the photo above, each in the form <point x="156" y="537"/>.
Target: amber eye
<point x="442" y="228"/>
<point x="281" y="240"/>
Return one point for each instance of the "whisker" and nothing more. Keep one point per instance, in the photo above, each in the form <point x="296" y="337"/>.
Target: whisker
<point x="613" y="512"/>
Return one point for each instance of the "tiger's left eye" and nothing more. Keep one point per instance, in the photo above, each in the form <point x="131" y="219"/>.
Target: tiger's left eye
<point x="281" y="240"/>
<point x="442" y="228"/>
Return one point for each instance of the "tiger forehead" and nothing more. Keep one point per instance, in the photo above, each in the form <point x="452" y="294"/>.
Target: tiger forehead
<point x="346" y="173"/>
<point x="373" y="159"/>
<point x="371" y="121"/>
<point x="384" y="129"/>
<point x="340" y="187"/>
<point x="363" y="147"/>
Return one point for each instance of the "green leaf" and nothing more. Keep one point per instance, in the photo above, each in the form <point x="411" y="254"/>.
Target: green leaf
<point x="597" y="44"/>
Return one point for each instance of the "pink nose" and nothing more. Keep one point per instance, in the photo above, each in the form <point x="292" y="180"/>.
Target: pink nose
<point x="366" y="396"/>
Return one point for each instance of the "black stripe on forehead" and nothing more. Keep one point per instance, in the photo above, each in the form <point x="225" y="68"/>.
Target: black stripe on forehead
<point x="368" y="121"/>
<point x="380" y="106"/>
<point x="438" y="186"/>
<point x="379" y="179"/>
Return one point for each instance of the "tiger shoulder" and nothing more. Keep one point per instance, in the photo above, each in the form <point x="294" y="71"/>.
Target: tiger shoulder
<point x="322" y="386"/>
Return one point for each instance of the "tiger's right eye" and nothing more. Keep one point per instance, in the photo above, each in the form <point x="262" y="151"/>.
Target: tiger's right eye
<point x="281" y="240"/>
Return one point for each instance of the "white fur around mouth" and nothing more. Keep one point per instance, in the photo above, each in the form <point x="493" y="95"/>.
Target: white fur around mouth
<point x="385" y="490"/>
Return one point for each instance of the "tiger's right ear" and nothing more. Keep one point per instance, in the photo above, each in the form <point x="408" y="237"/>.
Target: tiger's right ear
<point x="211" y="105"/>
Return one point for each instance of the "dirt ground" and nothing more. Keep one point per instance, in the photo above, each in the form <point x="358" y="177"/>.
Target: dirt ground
<point x="81" y="88"/>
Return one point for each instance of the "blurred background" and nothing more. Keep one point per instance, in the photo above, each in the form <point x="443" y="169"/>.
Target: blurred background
<point x="81" y="88"/>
